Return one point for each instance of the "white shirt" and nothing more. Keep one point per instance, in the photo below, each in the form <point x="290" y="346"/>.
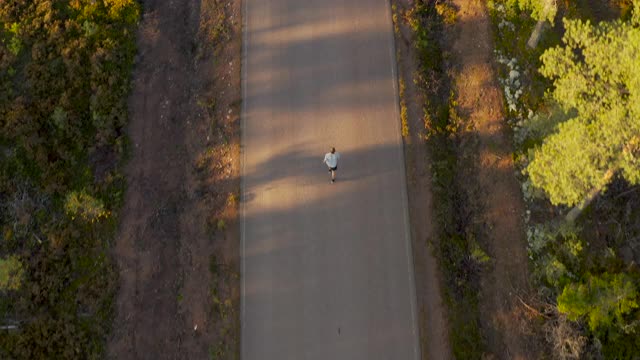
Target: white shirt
<point x="331" y="159"/>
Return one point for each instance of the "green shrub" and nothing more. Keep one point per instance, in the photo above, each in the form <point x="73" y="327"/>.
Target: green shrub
<point x="604" y="300"/>
<point x="65" y="71"/>
<point x="80" y="204"/>
<point x="11" y="273"/>
<point x="15" y="43"/>
<point x="459" y="256"/>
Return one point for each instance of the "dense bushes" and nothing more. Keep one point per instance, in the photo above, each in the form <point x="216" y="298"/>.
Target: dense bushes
<point x="455" y="244"/>
<point x="585" y="268"/>
<point x="64" y="78"/>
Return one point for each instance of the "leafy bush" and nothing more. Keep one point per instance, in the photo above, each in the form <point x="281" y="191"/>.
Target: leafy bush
<point x="604" y="300"/>
<point x="459" y="255"/>
<point x="64" y="80"/>
<point x="11" y="273"/>
<point x="81" y="204"/>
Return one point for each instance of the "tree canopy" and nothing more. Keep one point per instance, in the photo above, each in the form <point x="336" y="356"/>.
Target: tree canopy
<point x="603" y="300"/>
<point x="597" y="84"/>
<point x="541" y="10"/>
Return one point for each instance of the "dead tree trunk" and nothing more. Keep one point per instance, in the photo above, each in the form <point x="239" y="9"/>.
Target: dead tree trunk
<point x="535" y="35"/>
<point x="549" y="8"/>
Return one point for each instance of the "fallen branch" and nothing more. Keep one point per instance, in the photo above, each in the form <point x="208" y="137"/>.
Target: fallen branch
<point x="532" y="309"/>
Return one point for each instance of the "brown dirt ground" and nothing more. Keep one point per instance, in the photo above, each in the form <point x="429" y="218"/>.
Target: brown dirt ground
<point x="434" y="330"/>
<point x="494" y="191"/>
<point x="182" y="180"/>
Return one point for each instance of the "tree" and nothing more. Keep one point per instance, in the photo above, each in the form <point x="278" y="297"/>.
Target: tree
<point x="604" y="300"/>
<point x="597" y="85"/>
<point x="542" y="11"/>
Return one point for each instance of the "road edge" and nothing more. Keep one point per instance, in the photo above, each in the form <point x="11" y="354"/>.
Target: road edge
<point x="243" y="153"/>
<point x="404" y="193"/>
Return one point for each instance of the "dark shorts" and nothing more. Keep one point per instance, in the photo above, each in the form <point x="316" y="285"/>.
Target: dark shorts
<point x="333" y="168"/>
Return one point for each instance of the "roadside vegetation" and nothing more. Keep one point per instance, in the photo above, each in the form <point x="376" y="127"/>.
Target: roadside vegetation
<point x="64" y="80"/>
<point x="572" y="101"/>
<point x="459" y="257"/>
<point x="217" y="168"/>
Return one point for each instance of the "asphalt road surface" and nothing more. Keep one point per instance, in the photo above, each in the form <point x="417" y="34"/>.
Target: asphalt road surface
<point x="326" y="268"/>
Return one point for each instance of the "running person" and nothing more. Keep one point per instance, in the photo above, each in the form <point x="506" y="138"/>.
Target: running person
<point x="331" y="159"/>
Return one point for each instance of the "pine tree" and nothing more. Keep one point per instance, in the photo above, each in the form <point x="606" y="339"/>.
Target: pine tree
<point x="603" y="300"/>
<point x="597" y="84"/>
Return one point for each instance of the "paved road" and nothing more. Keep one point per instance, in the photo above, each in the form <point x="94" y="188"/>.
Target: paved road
<point x="327" y="270"/>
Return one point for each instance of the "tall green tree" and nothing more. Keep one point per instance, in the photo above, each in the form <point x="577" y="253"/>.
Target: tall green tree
<point x="597" y="84"/>
<point x="604" y="300"/>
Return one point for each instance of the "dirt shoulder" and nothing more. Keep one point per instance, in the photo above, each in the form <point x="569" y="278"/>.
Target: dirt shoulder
<point x="434" y="329"/>
<point x="177" y="248"/>
<point x="491" y="185"/>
